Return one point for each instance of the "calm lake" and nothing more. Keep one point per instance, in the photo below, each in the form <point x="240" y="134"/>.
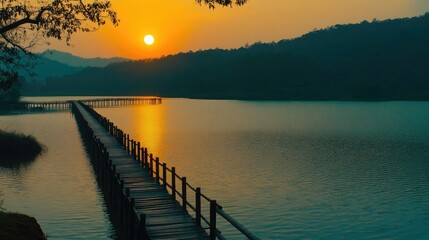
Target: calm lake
<point x="58" y="188"/>
<point x="285" y="170"/>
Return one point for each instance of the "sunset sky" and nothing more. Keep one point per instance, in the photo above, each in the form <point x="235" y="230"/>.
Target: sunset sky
<point x="183" y="25"/>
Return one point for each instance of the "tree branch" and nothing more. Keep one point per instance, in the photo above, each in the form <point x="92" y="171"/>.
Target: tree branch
<point x="26" y="20"/>
<point x="13" y="43"/>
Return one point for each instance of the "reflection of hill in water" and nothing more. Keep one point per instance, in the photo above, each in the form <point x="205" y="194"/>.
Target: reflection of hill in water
<point x="18" y="150"/>
<point x="17" y="162"/>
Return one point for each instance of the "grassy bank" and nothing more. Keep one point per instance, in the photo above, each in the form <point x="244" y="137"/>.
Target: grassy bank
<point x="17" y="148"/>
<point x="15" y="226"/>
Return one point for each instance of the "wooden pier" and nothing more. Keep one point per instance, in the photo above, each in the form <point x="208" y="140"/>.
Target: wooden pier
<point x="28" y="106"/>
<point x="117" y="102"/>
<point x="141" y="193"/>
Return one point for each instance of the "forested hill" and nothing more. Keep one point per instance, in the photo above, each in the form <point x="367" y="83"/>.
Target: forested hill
<point x="378" y="60"/>
<point x="75" y="61"/>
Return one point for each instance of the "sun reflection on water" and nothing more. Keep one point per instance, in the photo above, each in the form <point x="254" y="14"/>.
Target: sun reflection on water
<point x="150" y="123"/>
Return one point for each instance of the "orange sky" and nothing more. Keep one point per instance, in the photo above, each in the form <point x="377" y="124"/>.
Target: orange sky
<point x="183" y="25"/>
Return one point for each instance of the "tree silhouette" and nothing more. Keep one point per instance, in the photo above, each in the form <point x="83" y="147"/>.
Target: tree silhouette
<point x="24" y="24"/>
<point x="213" y="3"/>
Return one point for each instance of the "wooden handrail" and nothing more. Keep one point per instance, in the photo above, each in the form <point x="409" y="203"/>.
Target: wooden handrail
<point x="152" y="165"/>
<point x="236" y="224"/>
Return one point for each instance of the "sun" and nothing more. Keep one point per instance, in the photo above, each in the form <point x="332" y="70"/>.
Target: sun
<point x="149" y="39"/>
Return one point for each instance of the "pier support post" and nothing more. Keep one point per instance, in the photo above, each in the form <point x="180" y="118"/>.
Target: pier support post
<point x="213" y="206"/>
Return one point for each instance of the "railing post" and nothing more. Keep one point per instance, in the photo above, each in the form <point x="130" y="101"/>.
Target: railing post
<point x="124" y="140"/>
<point x="132" y="148"/>
<point x="184" y="202"/>
<point x="157" y="168"/>
<point x="143" y="158"/>
<point x="198" y="205"/>
<point x="138" y="152"/>
<point x="128" y="143"/>
<point x="146" y="162"/>
<point x="213" y="206"/>
<point x="164" y="175"/>
<point x="151" y="164"/>
<point x="173" y="182"/>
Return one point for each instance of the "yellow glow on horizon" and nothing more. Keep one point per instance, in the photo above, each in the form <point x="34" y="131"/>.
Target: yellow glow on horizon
<point x="182" y="26"/>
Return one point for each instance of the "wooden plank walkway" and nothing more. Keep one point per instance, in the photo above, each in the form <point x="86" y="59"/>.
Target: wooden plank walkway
<point x="40" y="106"/>
<point x="165" y="218"/>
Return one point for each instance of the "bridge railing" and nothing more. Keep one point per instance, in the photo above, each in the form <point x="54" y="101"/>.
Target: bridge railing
<point x="177" y="186"/>
<point x="130" y="224"/>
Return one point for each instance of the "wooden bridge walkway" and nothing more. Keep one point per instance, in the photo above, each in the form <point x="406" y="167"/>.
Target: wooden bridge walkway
<point x="41" y="106"/>
<point x="142" y="203"/>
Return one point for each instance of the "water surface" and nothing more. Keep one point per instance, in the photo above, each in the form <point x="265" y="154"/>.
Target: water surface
<point x="298" y="170"/>
<point x="59" y="187"/>
<point x="286" y="170"/>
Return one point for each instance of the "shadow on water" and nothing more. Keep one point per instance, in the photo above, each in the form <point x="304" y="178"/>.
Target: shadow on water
<point x="31" y="111"/>
<point x="2" y="209"/>
<point x="16" y="163"/>
<point x="114" y="228"/>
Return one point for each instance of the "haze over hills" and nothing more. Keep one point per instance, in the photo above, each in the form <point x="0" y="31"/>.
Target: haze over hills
<point x="56" y="64"/>
<point x="379" y="60"/>
<point x="43" y="68"/>
<point x="76" y="61"/>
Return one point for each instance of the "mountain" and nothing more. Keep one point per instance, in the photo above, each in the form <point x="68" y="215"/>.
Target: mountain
<point x="378" y="60"/>
<point x="76" y="61"/>
<point x="54" y="64"/>
<point x="42" y="68"/>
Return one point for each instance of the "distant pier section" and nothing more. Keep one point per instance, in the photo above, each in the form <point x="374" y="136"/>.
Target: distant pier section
<point x="38" y="106"/>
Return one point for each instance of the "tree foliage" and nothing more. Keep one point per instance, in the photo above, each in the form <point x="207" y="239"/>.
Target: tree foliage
<point x="24" y="24"/>
<point x="213" y="3"/>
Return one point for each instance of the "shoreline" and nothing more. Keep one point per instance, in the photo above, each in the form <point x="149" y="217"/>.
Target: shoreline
<point x="17" y="226"/>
